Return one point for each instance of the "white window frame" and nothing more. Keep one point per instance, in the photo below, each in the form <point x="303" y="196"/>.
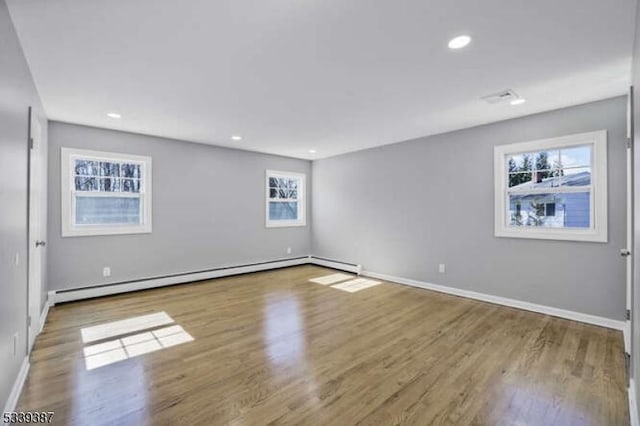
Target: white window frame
<point x="302" y="219"/>
<point x="598" y="205"/>
<point x="68" y="194"/>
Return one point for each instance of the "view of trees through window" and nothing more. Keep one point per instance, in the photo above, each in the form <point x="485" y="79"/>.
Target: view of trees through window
<point x="539" y="164"/>
<point x="283" y="198"/>
<point x="107" y="192"/>
<point x="106" y="176"/>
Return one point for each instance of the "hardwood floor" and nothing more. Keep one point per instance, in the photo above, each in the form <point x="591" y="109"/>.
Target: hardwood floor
<point x="274" y="348"/>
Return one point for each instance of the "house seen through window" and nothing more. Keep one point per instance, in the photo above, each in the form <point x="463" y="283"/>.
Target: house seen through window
<point x="553" y="188"/>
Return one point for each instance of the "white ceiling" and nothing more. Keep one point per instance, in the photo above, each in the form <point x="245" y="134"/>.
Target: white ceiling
<point x="329" y="75"/>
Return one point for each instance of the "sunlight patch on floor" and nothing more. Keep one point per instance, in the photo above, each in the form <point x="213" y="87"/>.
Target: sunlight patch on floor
<point x="356" y="285"/>
<point x="331" y="279"/>
<point x="116" y="350"/>
<point x="345" y="282"/>
<point x="127" y="326"/>
<point x="130" y="338"/>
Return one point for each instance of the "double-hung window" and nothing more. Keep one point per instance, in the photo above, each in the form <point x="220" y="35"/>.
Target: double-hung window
<point x="285" y="199"/>
<point x="105" y="193"/>
<point x="553" y="188"/>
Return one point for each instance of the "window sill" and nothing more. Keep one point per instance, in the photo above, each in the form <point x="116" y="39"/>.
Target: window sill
<point x="91" y="231"/>
<point x="588" y="235"/>
<point x="285" y="224"/>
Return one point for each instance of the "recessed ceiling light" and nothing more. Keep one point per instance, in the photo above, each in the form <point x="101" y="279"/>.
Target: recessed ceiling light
<point x="519" y="101"/>
<point x="459" y="42"/>
<point x="236" y="138"/>
<point x="114" y="115"/>
<point x="312" y="151"/>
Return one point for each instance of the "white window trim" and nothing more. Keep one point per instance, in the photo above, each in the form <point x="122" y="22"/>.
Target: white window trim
<point x="69" y="229"/>
<point x="598" y="230"/>
<point x="302" y="200"/>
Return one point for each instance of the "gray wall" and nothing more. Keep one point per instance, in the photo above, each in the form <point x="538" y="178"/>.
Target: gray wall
<point x="208" y="211"/>
<point x="402" y="209"/>
<point x="17" y="93"/>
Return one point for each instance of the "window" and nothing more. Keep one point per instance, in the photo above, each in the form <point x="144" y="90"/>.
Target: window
<point x="550" y="209"/>
<point x="105" y="193"/>
<point x="553" y="188"/>
<point x="285" y="199"/>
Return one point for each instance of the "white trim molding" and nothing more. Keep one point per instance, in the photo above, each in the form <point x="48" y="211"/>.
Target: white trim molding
<point x="626" y="334"/>
<point x="16" y="390"/>
<point x="513" y="303"/>
<point x="633" y="404"/>
<point x="60" y="296"/>
<point x="45" y="311"/>
<point x="335" y="264"/>
<point x="597" y="232"/>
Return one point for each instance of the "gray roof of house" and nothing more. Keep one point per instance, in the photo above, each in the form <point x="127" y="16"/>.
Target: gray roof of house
<point x="577" y="179"/>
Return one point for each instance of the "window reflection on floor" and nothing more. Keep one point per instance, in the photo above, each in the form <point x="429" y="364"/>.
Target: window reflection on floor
<point x="345" y="282"/>
<point x="131" y="345"/>
<point x="284" y="335"/>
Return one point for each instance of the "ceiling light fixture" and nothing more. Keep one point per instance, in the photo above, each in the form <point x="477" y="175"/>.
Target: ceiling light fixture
<point x="114" y="115"/>
<point x="312" y="151"/>
<point x="236" y="138"/>
<point x="459" y="42"/>
<point x="519" y="101"/>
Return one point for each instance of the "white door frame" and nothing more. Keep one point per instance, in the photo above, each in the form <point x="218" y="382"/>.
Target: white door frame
<point x="629" y="250"/>
<point x="37" y="228"/>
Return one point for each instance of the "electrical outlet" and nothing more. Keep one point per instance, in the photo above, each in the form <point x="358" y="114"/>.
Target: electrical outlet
<point x="106" y="271"/>
<point x="441" y="268"/>
<point x="288" y="250"/>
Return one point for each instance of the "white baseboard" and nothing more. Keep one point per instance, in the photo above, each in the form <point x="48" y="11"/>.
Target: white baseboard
<point x="626" y="334"/>
<point x="16" y="390"/>
<point x="45" y="312"/>
<point x="633" y="404"/>
<point x="60" y="296"/>
<point x="548" y="310"/>
<point x="335" y="264"/>
<point x="116" y="288"/>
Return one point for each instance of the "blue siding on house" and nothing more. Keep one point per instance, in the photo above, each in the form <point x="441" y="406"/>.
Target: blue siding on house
<point x="577" y="210"/>
<point x="571" y="211"/>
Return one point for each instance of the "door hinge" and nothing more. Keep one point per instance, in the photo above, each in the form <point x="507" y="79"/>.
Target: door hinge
<point x="627" y="314"/>
<point x="627" y="365"/>
<point x="29" y="321"/>
<point x="629" y="144"/>
<point x="30" y="143"/>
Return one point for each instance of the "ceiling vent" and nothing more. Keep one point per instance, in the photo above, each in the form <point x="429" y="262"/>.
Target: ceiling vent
<point x="504" y="96"/>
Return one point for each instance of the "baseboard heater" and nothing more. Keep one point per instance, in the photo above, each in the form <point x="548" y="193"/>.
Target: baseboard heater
<point x="336" y="264"/>
<point x="61" y="296"/>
